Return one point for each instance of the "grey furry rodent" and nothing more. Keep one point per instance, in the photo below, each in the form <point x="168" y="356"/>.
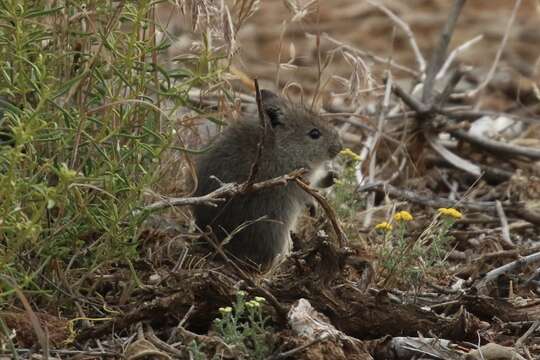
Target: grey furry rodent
<point x="261" y="221"/>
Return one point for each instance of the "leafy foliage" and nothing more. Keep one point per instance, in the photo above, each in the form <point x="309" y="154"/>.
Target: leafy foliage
<point x="85" y="130"/>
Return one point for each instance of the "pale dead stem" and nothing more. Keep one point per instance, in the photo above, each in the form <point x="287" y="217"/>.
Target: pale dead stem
<point x="489" y="77"/>
<point x="371" y="56"/>
<point x="219" y="195"/>
<point x="458" y="50"/>
<point x="408" y="32"/>
<point x="372" y="148"/>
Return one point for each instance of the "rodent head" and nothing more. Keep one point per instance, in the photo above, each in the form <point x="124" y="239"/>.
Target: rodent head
<point x="300" y="138"/>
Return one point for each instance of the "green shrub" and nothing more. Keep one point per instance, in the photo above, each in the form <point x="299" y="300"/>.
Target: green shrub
<point x="406" y="259"/>
<point x="85" y="128"/>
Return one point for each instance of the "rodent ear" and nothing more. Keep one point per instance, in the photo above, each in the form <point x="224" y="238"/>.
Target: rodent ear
<point x="273" y="107"/>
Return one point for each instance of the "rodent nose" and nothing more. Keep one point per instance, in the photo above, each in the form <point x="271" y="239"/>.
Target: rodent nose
<point x="335" y="148"/>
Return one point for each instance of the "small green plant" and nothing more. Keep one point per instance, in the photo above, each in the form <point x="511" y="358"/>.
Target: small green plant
<point x="344" y="198"/>
<point x="245" y="326"/>
<point x="405" y="259"/>
<point x="195" y="351"/>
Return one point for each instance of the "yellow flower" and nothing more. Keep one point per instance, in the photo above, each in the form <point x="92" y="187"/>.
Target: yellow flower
<point x="252" y="304"/>
<point x="403" y="216"/>
<point x="260" y="299"/>
<point x="225" y="310"/>
<point x="451" y="212"/>
<point x="241" y="293"/>
<point x="384" y="226"/>
<point x="350" y="154"/>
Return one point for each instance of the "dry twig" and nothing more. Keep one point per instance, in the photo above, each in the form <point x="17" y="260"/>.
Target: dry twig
<point x="491" y="72"/>
<point x="514" y="265"/>
<point x="408" y="32"/>
<point x="341" y="237"/>
<point x="227" y="190"/>
<point x="439" y="54"/>
<point x="260" y="147"/>
<point x="505" y="229"/>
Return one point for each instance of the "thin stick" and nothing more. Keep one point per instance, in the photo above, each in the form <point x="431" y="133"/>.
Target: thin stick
<point x="342" y="239"/>
<point x="491" y="72"/>
<point x="505" y="229"/>
<point x="455" y="53"/>
<point x="278" y="67"/>
<point x="371" y="56"/>
<point x="527" y="334"/>
<point x="260" y="147"/>
<point x="316" y="93"/>
<point x="497" y="146"/>
<point x="374" y="143"/>
<point x="222" y="192"/>
<point x="411" y="102"/>
<point x="493" y="274"/>
<point x="405" y="27"/>
<point x="181" y="324"/>
<point x="290" y="353"/>
<point x="440" y="52"/>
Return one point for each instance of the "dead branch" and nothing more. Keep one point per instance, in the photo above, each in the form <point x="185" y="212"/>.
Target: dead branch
<point x="488" y="78"/>
<point x="497" y="146"/>
<point x="260" y="147"/>
<point x="439" y="54"/>
<point x="505" y="229"/>
<point x="451" y="157"/>
<point x="455" y="52"/>
<point x="527" y="334"/>
<point x="514" y="265"/>
<point x="227" y="190"/>
<point x="493" y="351"/>
<point x="288" y="354"/>
<point x="371" y="56"/>
<point x="408" y="32"/>
<point x="373" y="142"/>
<point x="341" y="237"/>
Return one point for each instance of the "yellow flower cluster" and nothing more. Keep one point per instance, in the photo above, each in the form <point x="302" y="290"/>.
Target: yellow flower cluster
<point x="403" y="216"/>
<point x="451" y="212"/>
<point x="384" y="226"/>
<point x="225" y="310"/>
<point x="256" y="302"/>
<point x="253" y="304"/>
<point x="350" y="154"/>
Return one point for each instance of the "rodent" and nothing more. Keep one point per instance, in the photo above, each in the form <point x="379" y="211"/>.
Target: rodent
<point x="261" y="221"/>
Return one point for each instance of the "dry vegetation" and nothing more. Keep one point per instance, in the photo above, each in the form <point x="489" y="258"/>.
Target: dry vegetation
<point x="427" y="246"/>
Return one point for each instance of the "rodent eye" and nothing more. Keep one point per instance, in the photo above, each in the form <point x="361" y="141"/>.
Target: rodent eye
<point x="314" y="133"/>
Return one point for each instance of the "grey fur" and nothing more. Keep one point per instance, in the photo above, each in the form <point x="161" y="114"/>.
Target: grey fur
<point x="263" y="219"/>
